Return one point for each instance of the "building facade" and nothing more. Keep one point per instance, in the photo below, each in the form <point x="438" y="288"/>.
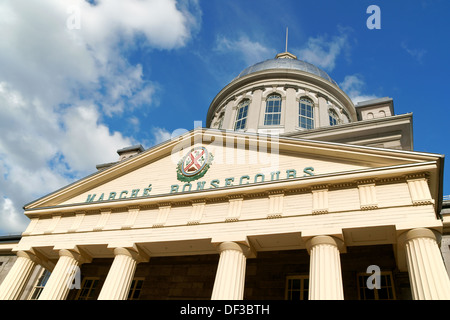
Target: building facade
<point x="290" y="192"/>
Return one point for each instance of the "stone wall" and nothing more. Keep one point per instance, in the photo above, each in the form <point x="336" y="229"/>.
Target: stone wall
<point x="6" y="263"/>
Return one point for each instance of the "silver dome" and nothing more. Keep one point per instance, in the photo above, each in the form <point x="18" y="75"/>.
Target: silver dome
<point x="283" y="63"/>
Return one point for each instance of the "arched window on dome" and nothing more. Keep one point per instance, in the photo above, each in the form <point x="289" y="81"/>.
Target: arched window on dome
<point x="241" y="115"/>
<point x="306" y="114"/>
<point x="273" y="110"/>
<point x="334" y="118"/>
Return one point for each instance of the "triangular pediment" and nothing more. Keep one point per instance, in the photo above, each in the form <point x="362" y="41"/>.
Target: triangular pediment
<point x="204" y="161"/>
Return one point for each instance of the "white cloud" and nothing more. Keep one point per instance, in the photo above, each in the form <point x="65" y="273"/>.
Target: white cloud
<point x="416" y="54"/>
<point x="160" y="135"/>
<point x="9" y="216"/>
<point x="323" y="51"/>
<point x="159" y="21"/>
<point x="250" y="51"/>
<point x="42" y="150"/>
<point x="38" y="51"/>
<point x="354" y="85"/>
<point x="84" y="135"/>
<point x="57" y="84"/>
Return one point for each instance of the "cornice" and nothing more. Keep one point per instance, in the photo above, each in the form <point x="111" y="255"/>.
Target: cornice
<point x="392" y="120"/>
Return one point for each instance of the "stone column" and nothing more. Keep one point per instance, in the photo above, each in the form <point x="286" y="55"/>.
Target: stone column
<point x="60" y="281"/>
<point x="17" y="278"/>
<point x="325" y="276"/>
<point x="230" y="276"/>
<point x="427" y="274"/>
<point x="118" y="282"/>
<point x="291" y="110"/>
<point x="254" y="109"/>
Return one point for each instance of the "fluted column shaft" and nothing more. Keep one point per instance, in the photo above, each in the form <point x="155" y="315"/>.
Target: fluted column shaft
<point x="230" y="276"/>
<point x="16" y="279"/>
<point x="59" y="283"/>
<point x="427" y="274"/>
<point x="325" y="276"/>
<point x="118" y="282"/>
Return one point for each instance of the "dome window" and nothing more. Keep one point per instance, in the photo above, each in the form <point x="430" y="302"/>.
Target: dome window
<point x="221" y="121"/>
<point x="306" y="114"/>
<point x="334" y="118"/>
<point x="241" y="116"/>
<point x="273" y="110"/>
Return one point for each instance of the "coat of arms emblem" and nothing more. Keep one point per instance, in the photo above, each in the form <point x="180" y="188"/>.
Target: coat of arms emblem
<point x="194" y="165"/>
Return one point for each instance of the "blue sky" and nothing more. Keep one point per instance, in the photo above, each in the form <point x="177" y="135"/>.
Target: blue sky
<point x="79" y="81"/>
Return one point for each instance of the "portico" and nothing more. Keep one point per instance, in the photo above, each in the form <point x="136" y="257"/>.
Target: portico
<point x="230" y="272"/>
<point x="356" y="201"/>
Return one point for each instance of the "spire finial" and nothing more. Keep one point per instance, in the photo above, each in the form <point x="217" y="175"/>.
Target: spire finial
<point x="287" y="32"/>
<point x="286" y="54"/>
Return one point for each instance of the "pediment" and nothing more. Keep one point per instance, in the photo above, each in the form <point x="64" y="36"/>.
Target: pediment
<point x="204" y="161"/>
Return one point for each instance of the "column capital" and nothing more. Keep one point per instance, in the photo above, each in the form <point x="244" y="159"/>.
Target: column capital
<point x="136" y="254"/>
<point x="77" y="254"/>
<point x="419" y="233"/>
<point x="325" y="240"/>
<point x="28" y="254"/>
<point x="242" y="245"/>
<point x="37" y="257"/>
<point x="230" y="245"/>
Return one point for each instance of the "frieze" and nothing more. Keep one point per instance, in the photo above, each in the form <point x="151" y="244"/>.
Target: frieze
<point x="203" y="185"/>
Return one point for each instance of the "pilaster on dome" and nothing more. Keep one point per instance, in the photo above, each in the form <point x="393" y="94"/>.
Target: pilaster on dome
<point x="286" y="55"/>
